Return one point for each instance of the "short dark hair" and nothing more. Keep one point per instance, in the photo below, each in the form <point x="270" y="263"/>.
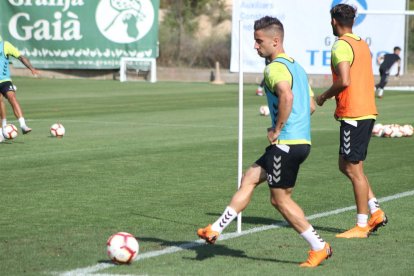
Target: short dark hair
<point x="396" y="48"/>
<point x="268" y="22"/>
<point x="344" y="14"/>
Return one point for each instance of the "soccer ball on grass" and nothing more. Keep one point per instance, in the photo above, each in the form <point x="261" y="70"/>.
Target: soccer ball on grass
<point x="57" y="130"/>
<point x="122" y="248"/>
<point x="9" y="131"/>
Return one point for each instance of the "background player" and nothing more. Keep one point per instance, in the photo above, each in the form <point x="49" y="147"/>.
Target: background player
<point x="289" y="101"/>
<point x="387" y="61"/>
<point x="356" y="110"/>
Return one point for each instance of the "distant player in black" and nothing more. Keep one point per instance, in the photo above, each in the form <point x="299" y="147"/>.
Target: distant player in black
<point x="387" y="61"/>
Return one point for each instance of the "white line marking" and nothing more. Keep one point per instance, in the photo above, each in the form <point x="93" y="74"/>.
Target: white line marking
<point x="173" y="249"/>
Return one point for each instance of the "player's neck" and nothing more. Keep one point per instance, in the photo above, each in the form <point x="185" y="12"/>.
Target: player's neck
<point x="344" y="31"/>
<point x="277" y="52"/>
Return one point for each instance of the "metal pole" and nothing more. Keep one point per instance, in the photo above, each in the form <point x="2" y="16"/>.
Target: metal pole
<point x="240" y="144"/>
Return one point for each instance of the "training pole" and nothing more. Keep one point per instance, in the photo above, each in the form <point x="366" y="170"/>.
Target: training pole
<point x="240" y="145"/>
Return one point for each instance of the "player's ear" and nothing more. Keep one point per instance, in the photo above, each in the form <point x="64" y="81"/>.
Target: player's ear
<point x="276" y="41"/>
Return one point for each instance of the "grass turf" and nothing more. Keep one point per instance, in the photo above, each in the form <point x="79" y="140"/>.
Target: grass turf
<point x="159" y="161"/>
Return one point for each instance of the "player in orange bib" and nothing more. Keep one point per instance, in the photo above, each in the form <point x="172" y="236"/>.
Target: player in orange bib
<point x="352" y="86"/>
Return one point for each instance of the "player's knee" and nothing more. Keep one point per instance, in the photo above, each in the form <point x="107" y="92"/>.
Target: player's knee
<point x="278" y="203"/>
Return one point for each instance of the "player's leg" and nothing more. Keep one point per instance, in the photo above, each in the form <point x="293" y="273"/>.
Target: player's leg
<point x="291" y="211"/>
<point x="3" y="116"/>
<point x="378" y="217"/>
<point x="259" y="90"/>
<point x="354" y="140"/>
<point x="383" y="82"/>
<point x="251" y="179"/>
<point x="282" y="172"/>
<point x="18" y="112"/>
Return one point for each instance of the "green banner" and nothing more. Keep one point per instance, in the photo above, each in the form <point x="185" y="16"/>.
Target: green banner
<point x="80" y="34"/>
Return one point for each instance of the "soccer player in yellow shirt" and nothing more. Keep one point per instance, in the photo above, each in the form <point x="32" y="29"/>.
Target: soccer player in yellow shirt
<point x="7" y="89"/>
<point x="353" y="83"/>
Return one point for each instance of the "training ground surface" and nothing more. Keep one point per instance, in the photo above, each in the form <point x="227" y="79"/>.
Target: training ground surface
<point x="160" y="161"/>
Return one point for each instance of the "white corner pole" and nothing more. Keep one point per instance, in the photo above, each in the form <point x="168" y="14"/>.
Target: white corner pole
<point x="240" y="144"/>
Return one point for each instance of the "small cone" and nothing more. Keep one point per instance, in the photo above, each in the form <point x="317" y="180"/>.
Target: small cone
<point x="217" y="79"/>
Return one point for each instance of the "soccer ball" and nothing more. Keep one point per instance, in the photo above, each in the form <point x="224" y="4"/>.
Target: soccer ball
<point x="122" y="248"/>
<point x="264" y="110"/>
<point x="57" y="130"/>
<point x="407" y="130"/>
<point x="10" y="131"/>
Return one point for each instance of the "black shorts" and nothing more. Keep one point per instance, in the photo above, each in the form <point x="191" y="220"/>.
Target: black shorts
<point x="354" y="139"/>
<point x="281" y="163"/>
<point x="6" y="87"/>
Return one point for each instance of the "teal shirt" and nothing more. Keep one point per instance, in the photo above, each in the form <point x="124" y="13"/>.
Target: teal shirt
<point x="298" y="125"/>
<point x="6" y="50"/>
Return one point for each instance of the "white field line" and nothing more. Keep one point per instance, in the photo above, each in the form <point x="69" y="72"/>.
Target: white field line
<point x="87" y="271"/>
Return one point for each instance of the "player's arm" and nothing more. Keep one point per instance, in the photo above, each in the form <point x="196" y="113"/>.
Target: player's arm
<point x="380" y="59"/>
<point x="398" y="68"/>
<point x="342" y="82"/>
<point x="342" y="56"/>
<point x="284" y="92"/>
<point x="29" y="66"/>
<point x="10" y="50"/>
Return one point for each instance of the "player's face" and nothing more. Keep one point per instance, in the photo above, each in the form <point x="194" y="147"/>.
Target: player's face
<point x="264" y="43"/>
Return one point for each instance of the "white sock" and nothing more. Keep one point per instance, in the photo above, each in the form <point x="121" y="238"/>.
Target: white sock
<point x="22" y="122"/>
<point x="362" y="220"/>
<point x="313" y="238"/>
<point x="373" y="205"/>
<point x="228" y="216"/>
<point x="3" y="123"/>
<point x="380" y="92"/>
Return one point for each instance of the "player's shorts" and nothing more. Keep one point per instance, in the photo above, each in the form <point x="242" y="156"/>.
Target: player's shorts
<point x="354" y="139"/>
<point x="6" y="87"/>
<point x="282" y="162"/>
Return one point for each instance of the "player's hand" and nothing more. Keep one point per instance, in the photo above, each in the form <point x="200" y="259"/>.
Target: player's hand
<point x="35" y="73"/>
<point x="320" y="100"/>
<point x="272" y="135"/>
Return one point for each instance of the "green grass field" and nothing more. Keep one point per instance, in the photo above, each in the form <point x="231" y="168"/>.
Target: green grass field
<point x="160" y="161"/>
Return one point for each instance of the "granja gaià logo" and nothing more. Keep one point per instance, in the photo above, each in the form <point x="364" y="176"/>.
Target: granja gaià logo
<point x="124" y="21"/>
<point x="64" y="25"/>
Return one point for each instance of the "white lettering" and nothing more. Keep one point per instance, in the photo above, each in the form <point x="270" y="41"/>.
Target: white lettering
<point x="13" y="27"/>
<point x="65" y="4"/>
<point x="57" y="26"/>
<point x="20" y="2"/>
<point x="21" y="28"/>
<point x="42" y="30"/>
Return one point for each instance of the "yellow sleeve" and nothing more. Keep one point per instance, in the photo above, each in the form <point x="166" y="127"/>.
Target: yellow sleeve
<point x="311" y="92"/>
<point x="341" y="51"/>
<point x="276" y="72"/>
<point x="10" y="50"/>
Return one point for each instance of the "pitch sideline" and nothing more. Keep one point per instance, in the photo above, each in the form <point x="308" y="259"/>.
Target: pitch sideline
<point x="87" y="271"/>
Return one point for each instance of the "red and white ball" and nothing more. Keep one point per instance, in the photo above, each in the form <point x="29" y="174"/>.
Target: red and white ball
<point x="10" y="131"/>
<point x="122" y="248"/>
<point x="378" y="130"/>
<point x="57" y="130"/>
<point x="264" y="110"/>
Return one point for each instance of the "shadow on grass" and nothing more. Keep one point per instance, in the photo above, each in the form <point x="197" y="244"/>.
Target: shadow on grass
<point x="267" y="221"/>
<point x="207" y="251"/>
